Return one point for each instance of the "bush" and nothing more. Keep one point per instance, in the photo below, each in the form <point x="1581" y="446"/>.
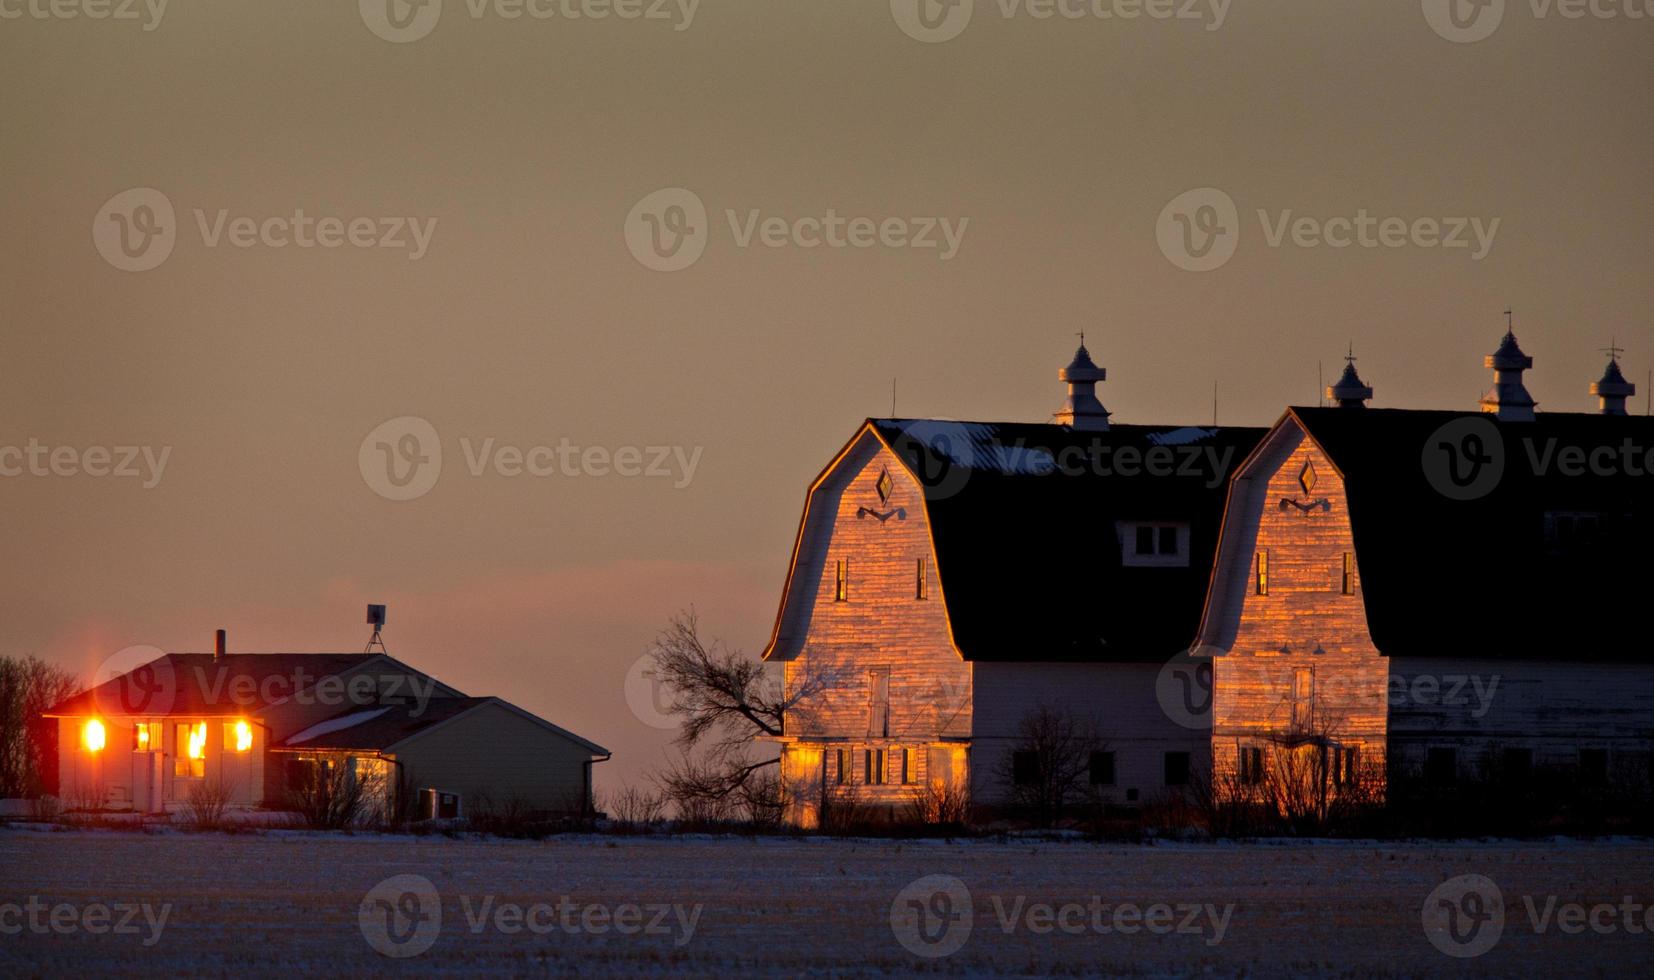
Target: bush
<point x="204" y="807"/>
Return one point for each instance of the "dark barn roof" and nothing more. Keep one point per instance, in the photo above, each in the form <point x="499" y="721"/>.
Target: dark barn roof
<point x="1023" y="520"/>
<point x="1490" y="575"/>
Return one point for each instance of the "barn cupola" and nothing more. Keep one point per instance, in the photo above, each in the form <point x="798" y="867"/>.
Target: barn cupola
<point x="1613" y="389"/>
<point x="1508" y="399"/>
<point x="1081" y="409"/>
<point x="1350" y="392"/>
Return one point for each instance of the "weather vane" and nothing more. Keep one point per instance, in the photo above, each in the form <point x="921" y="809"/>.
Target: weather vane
<point x="1613" y="350"/>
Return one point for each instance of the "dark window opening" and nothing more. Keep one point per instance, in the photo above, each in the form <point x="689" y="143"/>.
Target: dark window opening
<point x="1025" y="768"/>
<point x="1263" y="573"/>
<point x="841" y="587"/>
<point x="874" y="761"/>
<point x="1349" y="574"/>
<point x="1441" y="767"/>
<point x="919" y="588"/>
<point x="1168" y="541"/>
<point x="1251" y="765"/>
<point x="1177" y="768"/>
<point x="1102" y="769"/>
<point x="1145" y="540"/>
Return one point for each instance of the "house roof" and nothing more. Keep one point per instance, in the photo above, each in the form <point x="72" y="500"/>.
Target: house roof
<point x="1487" y="575"/>
<point x="381" y="728"/>
<point x="1023" y="522"/>
<point x="202" y="684"/>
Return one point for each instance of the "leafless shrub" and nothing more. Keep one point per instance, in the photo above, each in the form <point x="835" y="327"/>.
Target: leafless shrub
<point x="843" y="811"/>
<point x="330" y="796"/>
<point x="205" y="804"/>
<point x="635" y="806"/>
<point x="1047" y="768"/>
<point x="939" y="803"/>
<point x="45" y="808"/>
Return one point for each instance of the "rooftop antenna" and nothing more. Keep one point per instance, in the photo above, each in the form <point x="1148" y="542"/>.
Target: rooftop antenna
<point x="1320" y="385"/>
<point x="1214" y="403"/>
<point x="892" y="397"/>
<point x="376" y="617"/>
<point x="1510" y="322"/>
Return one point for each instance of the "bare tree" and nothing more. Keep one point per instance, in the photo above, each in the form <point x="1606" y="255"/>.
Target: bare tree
<point x="29" y="687"/>
<point x="330" y="795"/>
<point x="1050" y="762"/>
<point x="726" y="699"/>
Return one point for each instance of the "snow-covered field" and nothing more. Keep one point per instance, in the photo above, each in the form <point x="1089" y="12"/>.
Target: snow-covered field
<point x="93" y="903"/>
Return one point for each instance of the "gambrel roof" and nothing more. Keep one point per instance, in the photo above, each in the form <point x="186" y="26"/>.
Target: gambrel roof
<point x="1023" y="523"/>
<point x="1494" y="575"/>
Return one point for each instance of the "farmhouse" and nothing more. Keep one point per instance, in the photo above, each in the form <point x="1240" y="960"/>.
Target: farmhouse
<point x="270" y="730"/>
<point x="1430" y="601"/>
<point x="950" y="580"/>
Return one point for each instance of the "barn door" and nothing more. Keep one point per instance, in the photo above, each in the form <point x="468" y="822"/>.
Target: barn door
<point x="878" y="702"/>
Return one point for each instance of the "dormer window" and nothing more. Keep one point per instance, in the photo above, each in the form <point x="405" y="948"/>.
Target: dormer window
<point x="1154" y="544"/>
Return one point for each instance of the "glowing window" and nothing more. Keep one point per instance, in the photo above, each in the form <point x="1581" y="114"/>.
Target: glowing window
<point x="841" y="589"/>
<point x="146" y="736"/>
<point x="190" y="752"/>
<point x="92" y="736"/>
<point x="238" y="737"/>
<point x="1263" y="573"/>
<point x="1349" y="574"/>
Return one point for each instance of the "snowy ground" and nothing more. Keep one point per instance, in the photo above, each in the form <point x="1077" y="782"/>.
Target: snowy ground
<point x="257" y="904"/>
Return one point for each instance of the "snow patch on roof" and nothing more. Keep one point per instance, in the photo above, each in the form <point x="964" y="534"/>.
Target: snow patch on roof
<point x="1181" y="437"/>
<point x="336" y="724"/>
<point x="977" y="446"/>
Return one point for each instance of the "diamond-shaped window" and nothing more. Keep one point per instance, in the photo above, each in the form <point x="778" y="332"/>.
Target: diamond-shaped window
<point x="1306" y="477"/>
<point x="884" y="486"/>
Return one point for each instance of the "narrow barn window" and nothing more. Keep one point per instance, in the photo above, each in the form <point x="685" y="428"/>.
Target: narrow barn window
<point x="905" y="760"/>
<point x="1441" y="767"/>
<point x="841" y="586"/>
<point x="873" y="760"/>
<point x="1593" y="767"/>
<point x="1145" y="539"/>
<point x="1303" y="696"/>
<point x="1349" y="574"/>
<point x="1263" y="573"/>
<point x="1251" y="765"/>
<point x="1516" y="766"/>
<point x="1025" y="768"/>
<point x="878" y="702"/>
<point x="1351" y="766"/>
<point x="1102" y="769"/>
<point x="919" y="585"/>
<point x="1177" y="768"/>
<point x="842" y="776"/>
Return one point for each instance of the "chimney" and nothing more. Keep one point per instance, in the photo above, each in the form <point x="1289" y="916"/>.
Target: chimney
<point x="1081" y="409"/>
<point x="218" y="646"/>
<point x="1613" y="389"/>
<point x="1508" y="399"/>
